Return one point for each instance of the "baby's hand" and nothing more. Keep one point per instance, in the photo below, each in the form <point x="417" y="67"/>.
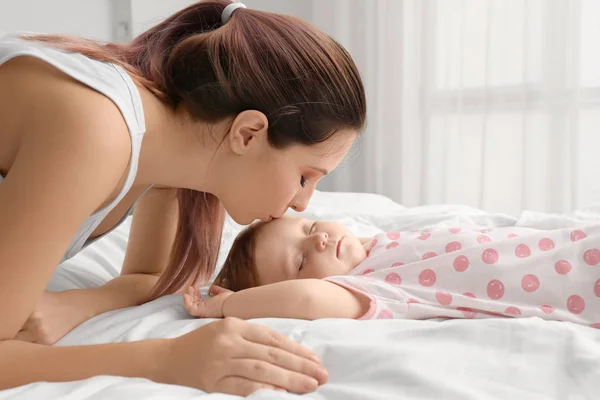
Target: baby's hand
<point x="212" y="308"/>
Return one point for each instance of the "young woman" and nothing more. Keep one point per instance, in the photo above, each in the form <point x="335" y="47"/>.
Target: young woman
<point x="217" y="108"/>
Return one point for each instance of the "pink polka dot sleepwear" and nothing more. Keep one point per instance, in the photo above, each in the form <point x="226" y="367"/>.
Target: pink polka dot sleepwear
<point x="467" y="272"/>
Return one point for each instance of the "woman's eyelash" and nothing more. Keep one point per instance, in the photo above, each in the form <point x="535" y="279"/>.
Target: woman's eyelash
<point x="302" y="181"/>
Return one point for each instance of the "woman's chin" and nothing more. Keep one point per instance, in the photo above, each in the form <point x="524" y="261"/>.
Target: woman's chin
<point x="241" y="219"/>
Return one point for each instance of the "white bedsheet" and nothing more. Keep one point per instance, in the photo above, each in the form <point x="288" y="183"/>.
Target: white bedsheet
<point x="387" y="359"/>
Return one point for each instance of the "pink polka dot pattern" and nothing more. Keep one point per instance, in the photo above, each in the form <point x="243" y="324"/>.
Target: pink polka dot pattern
<point x="483" y="239"/>
<point x="562" y="267"/>
<point x="467" y="312"/>
<point x="512" y="311"/>
<point x="393" y="278"/>
<point x="495" y="289"/>
<point x="385" y="314"/>
<point x="530" y="283"/>
<point x="575" y="304"/>
<point x="453" y="246"/>
<point x="476" y="274"/>
<point x="391" y="245"/>
<point x="427" y="277"/>
<point x="490" y="256"/>
<point x="592" y="257"/>
<point x="547" y="309"/>
<point x="461" y="263"/>
<point x="577" y="235"/>
<point x="522" y="251"/>
<point x="443" y="298"/>
<point x="546" y="244"/>
<point x="368" y="271"/>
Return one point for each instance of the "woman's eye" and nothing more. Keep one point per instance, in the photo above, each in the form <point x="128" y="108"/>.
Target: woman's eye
<point x="302" y="181"/>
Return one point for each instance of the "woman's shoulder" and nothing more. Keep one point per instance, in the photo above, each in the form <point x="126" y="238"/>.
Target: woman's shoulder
<point x="38" y="97"/>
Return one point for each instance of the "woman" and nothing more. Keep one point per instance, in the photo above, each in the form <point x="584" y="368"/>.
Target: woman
<point x="218" y="107"/>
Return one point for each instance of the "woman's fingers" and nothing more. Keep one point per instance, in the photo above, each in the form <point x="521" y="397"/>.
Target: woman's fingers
<point x="269" y="337"/>
<point x="293" y="361"/>
<point x="242" y="387"/>
<point x="266" y="357"/>
<point x="286" y="360"/>
<point x="263" y="372"/>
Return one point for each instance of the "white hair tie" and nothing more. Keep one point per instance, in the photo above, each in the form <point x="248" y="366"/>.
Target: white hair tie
<point x="228" y="11"/>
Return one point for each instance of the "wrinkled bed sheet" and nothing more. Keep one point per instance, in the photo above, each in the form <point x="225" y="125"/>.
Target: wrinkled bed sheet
<point x="383" y="359"/>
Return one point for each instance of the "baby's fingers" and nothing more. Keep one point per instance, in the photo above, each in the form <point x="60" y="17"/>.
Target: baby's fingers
<point x="216" y="290"/>
<point x="193" y="302"/>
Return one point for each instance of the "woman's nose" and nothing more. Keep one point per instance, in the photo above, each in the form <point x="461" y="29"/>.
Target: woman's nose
<point x="300" y="202"/>
<point x="298" y="205"/>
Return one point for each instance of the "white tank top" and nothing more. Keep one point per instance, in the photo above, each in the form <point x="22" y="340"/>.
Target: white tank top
<point x="108" y="79"/>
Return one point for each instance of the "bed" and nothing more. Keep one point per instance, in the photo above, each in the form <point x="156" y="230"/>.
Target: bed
<point x="382" y="359"/>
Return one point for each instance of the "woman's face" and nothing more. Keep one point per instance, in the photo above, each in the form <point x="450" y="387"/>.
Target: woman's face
<point x="266" y="181"/>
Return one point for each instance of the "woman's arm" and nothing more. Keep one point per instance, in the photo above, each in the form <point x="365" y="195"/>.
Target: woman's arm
<point x="301" y="299"/>
<point x="58" y="313"/>
<point x="230" y="356"/>
<point x="22" y="363"/>
<point x="150" y="240"/>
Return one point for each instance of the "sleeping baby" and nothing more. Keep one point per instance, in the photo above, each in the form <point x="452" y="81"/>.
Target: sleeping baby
<point x="297" y="268"/>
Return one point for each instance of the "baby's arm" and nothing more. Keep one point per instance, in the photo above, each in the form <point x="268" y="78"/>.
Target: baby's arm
<point x="300" y="299"/>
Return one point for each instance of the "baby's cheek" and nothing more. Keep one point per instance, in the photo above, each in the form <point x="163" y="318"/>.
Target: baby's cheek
<point x="326" y="268"/>
<point x="358" y="255"/>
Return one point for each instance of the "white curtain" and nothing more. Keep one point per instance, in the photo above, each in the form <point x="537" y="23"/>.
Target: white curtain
<point x="488" y="103"/>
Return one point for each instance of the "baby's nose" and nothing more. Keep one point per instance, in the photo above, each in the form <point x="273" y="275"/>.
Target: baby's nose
<point x="320" y="240"/>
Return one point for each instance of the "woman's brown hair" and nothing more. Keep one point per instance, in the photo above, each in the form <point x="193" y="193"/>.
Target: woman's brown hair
<point x="304" y="82"/>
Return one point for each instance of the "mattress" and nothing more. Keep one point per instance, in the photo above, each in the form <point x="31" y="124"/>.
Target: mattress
<point x="381" y="359"/>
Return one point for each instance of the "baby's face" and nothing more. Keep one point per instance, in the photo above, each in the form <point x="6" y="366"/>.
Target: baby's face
<point x="297" y="248"/>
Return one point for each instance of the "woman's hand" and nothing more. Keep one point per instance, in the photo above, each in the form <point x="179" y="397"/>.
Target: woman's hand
<point x="55" y="315"/>
<point x="237" y="357"/>
<point x="211" y="308"/>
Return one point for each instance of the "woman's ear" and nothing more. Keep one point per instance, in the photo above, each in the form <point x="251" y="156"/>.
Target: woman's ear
<point x="249" y="128"/>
